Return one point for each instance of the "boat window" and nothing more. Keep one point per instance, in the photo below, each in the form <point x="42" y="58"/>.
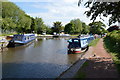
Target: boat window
<point x="75" y="44"/>
<point x="19" y="38"/>
<point x="76" y="41"/>
<point x="25" y="38"/>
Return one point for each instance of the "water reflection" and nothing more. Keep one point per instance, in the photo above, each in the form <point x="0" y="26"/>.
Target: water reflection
<point x="45" y="57"/>
<point x="38" y="42"/>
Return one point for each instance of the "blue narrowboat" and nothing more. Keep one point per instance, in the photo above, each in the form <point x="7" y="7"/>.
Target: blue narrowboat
<point x="79" y="45"/>
<point x="21" y="39"/>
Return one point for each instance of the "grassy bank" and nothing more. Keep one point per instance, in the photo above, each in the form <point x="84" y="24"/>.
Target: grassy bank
<point x="94" y="42"/>
<point x="74" y="35"/>
<point x="7" y="34"/>
<point x="80" y="73"/>
<point x="114" y="50"/>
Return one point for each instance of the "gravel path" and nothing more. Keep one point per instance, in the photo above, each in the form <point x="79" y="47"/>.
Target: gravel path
<point x="100" y="65"/>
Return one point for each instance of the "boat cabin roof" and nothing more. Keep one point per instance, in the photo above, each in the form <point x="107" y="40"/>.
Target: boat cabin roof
<point x="24" y="35"/>
<point x="79" y="39"/>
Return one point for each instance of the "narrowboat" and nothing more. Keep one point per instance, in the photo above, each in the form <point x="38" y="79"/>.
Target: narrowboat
<point x="21" y="39"/>
<point x="79" y="45"/>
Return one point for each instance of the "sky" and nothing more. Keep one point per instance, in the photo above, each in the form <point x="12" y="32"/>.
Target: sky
<point x="55" y="10"/>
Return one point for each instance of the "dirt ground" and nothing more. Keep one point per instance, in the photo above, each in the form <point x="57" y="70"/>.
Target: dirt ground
<point x="100" y="64"/>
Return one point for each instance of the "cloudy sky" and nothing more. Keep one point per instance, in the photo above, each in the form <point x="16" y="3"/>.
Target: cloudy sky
<point x="55" y="10"/>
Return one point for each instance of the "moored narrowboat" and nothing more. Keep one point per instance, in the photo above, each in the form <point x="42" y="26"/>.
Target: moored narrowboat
<point x="21" y="39"/>
<point x="79" y="45"/>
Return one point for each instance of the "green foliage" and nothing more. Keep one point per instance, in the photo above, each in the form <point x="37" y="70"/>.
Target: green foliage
<point x="33" y="25"/>
<point x="77" y="24"/>
<point x="86" y="28"/>
<point x="114" y="39"/>
<point x="103" y="9"/>
<point x="14" y="19"/>
<point x="40" y="27"/>
<point x="69" y="28"/>
<point x="48" y="30"/>
<point x="112" y="44"/>
<point x="57" y="27"/>
<point x="97" y="28"/>
<point x="74" y="27"/>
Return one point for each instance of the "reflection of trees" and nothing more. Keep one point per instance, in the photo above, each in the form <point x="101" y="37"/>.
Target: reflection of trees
<point x="38" y="42"/>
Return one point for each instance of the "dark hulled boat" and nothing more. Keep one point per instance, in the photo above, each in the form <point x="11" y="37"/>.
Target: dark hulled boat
<point x="79" y="45"/>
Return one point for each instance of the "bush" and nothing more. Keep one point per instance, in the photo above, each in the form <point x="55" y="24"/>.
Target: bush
<point x="114" y="38"/>
<point x="112" y="44"/>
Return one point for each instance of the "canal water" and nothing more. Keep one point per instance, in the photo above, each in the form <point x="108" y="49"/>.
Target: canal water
<point x="44" y="58"/>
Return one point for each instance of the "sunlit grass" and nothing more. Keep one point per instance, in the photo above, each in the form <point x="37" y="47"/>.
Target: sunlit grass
<point x="81" y="74"/>
<point x="7" y="34"/>
<point x="74" y="35"/>
<point x="94" y="42"/>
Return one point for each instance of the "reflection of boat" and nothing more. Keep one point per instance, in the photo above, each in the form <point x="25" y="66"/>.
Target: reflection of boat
<point x="78" y="45"/>
<point x="21" y="39"/>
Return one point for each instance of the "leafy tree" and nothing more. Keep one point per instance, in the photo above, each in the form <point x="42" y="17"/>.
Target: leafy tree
<point x="14" y="18"/>
<point x="98" y="8"/>
<point x="86" y="28"/>
<point x="97" y="28"/>
<point x="69" y="28"/>
<point x="49" y="30"/>
<point x="57" y="26"/>
<point x="77" y="25"/>
<point x="39" y="25"/>
<point x="33" y="25"/>
<point x="62" y="28"/>
<point x="44" y="28"/>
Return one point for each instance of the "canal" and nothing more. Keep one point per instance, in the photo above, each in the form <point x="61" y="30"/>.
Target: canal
<point x="44" y="58"/>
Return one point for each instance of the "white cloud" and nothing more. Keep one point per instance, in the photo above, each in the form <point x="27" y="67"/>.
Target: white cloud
<point x="63" y="11"/>
<point x="59" y="10"/>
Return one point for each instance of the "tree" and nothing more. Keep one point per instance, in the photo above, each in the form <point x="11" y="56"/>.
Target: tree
<point x="48" y="30"/>
<point x="39" y="25"/>
<point x="86" y="28"/>
<point x="33" y="25"/>
<point x="14" y="18"/>
<point x="57" y="26"/>
<point x="7" y="25"/>
<point x="77" y="25"/>
<point x="98" y="8"/>
<point x="97" y="28"/>
<point x="69" y="28"/>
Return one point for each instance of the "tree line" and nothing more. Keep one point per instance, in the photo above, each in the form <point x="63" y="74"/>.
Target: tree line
<point x="16" y="20"/>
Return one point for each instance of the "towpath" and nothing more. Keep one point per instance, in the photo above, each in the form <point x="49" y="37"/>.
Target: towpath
<point x="100" y="63"/>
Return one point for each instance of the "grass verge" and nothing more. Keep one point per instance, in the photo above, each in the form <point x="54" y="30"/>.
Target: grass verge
<point x="7" y="34"/>
<point x="74" y="35"/>
<point x="94" y="42"/>
<point x="80" y="73"/>
<point x="114" y="50"/>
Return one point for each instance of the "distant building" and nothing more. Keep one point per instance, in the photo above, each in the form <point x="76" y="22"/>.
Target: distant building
<point x="62" y="32"/>
<point x="112" y="28"/>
